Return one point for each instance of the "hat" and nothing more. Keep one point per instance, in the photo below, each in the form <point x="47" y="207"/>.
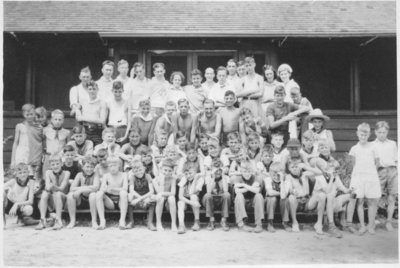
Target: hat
<point x="317" y="113"/>
<point x="293" y="143"/>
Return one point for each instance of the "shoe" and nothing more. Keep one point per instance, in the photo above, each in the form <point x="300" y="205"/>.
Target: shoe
<point x="389" y="226"/>
<point x="362" y="230"/>
<point x="181" y="230"/>
<point x="295" y="228"/>
<point x="41" y="225"/>
<point x="270" y="228"/>
<point x="258" y="229"/>
<point x="224" y="226"/>
<point x="286" y="227"/>
<point x="210" y="226"/>
<point x="318" y="229"/>
<point x="333" y="231"/>
<point x="130" y="225"/>
<point x="350" y="228"/>
<point x="196" y="226"/>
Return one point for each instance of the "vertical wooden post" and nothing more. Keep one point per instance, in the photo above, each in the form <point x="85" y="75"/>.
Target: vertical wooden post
<point x="28" y="78"/>
<point x="356" y="85"/>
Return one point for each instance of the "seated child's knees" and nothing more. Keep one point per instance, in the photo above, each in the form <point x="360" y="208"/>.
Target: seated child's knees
<point x="27" y="210"/>
<point x="123" y="193"/>
<point x="208" y="196"/>
<point x="291" y="198"/>
<point x="194" y="197"/>
<point x="321" y="196"/>
<point x="171" y="199"/>
<point x="226" y="195"/>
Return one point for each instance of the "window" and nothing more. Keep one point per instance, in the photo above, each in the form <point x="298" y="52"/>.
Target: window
<point x="174" y="62"/>
<point x="213" y="61"/>
<point x="377" y="70"/>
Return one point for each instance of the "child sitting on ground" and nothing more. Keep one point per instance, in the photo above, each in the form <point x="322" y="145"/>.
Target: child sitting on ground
<point x="54" y="194"/>
<point x="18" y="195"/>
<point x="165" y="187"/>
<point x="189" y="188"/>
<point x="108" y="137"/>
<point x="158" y="149"/>
<point x="141" y="193"/>
<point x="81" y="145"/>
<point x="82" y="193"/>
<point x="232" y="151"/>
<point x="113" y="193"/>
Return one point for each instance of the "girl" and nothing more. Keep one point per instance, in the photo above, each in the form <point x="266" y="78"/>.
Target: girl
<point x="41" y="116"/>
<point x="176" y="92"/>
<point x="248" y="123"/>
<point x="209" y="74"/>
<point x="364" y="178"/>
<point x="318" y="119"/>
<point x="284" y="73"/>
<point x="270" y="84"/>
<point x="145" y="122"/>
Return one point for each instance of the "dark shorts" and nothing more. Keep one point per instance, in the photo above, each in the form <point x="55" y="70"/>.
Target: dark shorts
<point x="84" y="202"/>
<point x="115" y="199"/>
<point x="8" y="207"/>
<point x="93" y="133"/>
<point x="302" y="203"/>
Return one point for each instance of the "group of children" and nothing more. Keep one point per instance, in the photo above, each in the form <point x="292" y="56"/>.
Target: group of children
<point x="149" y="145"/>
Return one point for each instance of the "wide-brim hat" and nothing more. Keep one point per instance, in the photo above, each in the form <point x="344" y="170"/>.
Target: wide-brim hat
<point x="317" y="113"/>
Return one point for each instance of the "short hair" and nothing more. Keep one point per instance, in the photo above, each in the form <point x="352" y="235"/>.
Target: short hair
<point x="145" y="150"/>
<point x="162" y="132"/>
<point x="244" y="111"/>
<point x="121" y="62"/>
<point x="117" y="85"/>
<point x="222" y="68"/>
<point x="267" y="149"/>
<point x="279" y="89"/>
<point x="308" y="134"/>
<point x="180" y="134"/>
<point x="277" y="166"/>
<point x="137" y="64"/>
<point x="171" y="78"/>
<point x="135" y="130"/>
<point x="136" y="162"/>
<point x="295" y="86"/>
<point x="241" y="63"/>
<point x="233" y="136"/>
<point x="323" y="142"/>
<point x="68" y="148"/>
<point x="89" y="159"/>
<point x="206" y="101"/>
<point x="249" y="60"/>
<point x="85" y="70"/>
<point x="56" y="112"/>
<point x="277" y="134"/>
<point x="170" y="149"/>
<point x="78" y="129"/>
<point x="229" y="93"/>
<point x="55" y="157"/>
<point x="382" y="124"/>
<point x="108" y="62"/>
<point x="245" y="164"/>
<point x="253" y="137"/>
<point x="27" y="107"/>
<point x="107" y="130"/>
<point x="285" y="67"/>
<point x="213" y="142"/>
<point x="21" y="166"/>
<point x="113" y="159"/>
<point x="232" y="60"/>
<point x="168" y="162"/>
<point x="364" y="127"/>
<point x="170" y="103"/>
<point x="102" y="153"/>
<point x="203" y="136"/>
<point x="209" y="68"/>
<point x="196" y="72"/>
<point x="158" y="65"/>
<point x="182" y="101"/>
<point x="269" y="67"/>
<point x="41" y="111"/>
<point x="92" y="84"/>
<point x="190" y="146"/>
<point x="144" y="102"/>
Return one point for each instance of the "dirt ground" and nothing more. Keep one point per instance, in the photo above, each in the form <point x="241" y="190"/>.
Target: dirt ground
<point x="83" y="246"/>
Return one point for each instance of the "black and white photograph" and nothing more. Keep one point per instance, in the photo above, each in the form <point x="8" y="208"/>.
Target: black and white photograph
<point x="199" y="133"/>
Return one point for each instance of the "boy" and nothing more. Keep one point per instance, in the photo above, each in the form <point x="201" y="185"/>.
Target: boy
<point x="299" y="198"/>
<point x="158" y="87"/>
<point x="147" y="160"/>
<point x="217" y="92"/>
<point x="164" y="123"/>
<point x="207" y="122"/>
<point x="54" y="194"/>
<point x="55" y="137"/>
<point x="215" y="155"/>
<point x="119" y="113"/>
<point x="83" y="191"/>
<point x="189" y="188"/>
<point x="203" y="146"/>
<point x="69" y="163"/>
<point x="229" y="116"/>
<point x="145" y="122"/>
<point x="123" y="69"/>
<point x="105" y="82"/>
<point x="247" y="191"/>
<point x="275" y="189"/>
<point x="165" y="187"/>
<point x="300" y="123"/>
<point x="78" y="93"/>
<point x="209" y="74"/>
<point x="92" y="114"/>
<point x="132" y="148"/>
<point x="280" y="112"/>
<point x="79" y="142"/>
<point x="137" y="87"/>
<point x="183" y="120"/>
<point x="267" y="155"/>
<point x="217" y="196"/>
<point x="280" y="153"/>
<point x="141" y="193"/>
<point x="109" y="144"/>
<point x="113" y="193"/>
<point x="195" y="93"/>
<point x="102" y="166"/>
<point x="232" y="78"/>
<point x="308" y="150"/>
<point x="387" y="169"/>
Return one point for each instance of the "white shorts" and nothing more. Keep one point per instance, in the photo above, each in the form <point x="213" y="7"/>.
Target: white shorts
<point x="366" y="185"/>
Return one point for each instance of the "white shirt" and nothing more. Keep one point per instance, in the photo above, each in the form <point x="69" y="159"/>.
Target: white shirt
<point x="175" y="95"/>
<point x="387" y="152"/>
<point x="217" y="93"/>
<point x="78" y="94"/>
<point x="207" y="87"/>
<point x="105" y="88"/>
<point x="116" y="116"/>
<point x="137" y="90"/>
<point x="127" y="92"/>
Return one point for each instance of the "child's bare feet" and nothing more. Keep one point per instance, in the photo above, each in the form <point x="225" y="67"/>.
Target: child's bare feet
<point x="295" y="228"/>
<point x="58" y="225"/>
<point x="160" y="227"/>
<point x="71" y="225"/>
<point x="389" y="226"/>
<point x="41" y="225"/>
<point x="181" y="230"/>
<point x="129" y="225"/>
<point x="151" y="227"/>
<point x="318" y="229"/>
<point x="122" y="225"/>
<point x="102" y="225"/>
<point x="362" y="230"/>
<point x="174" y="228"/>
<point x="371" y="230"/>
<point x="196" y="226"/>
<point x="95" y="225"/>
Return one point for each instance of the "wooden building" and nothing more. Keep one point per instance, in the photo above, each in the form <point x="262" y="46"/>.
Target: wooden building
<point x="343" y="53"/>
